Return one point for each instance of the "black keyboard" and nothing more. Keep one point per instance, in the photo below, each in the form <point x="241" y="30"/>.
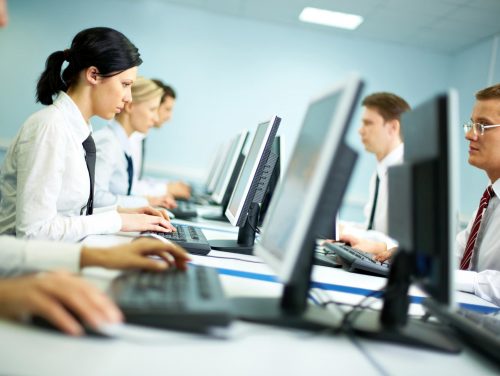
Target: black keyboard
<point x="190" y="238"/>
<point x="191" y="300"/>
<point x="478" y="330"/>
<point x="185" y="210"/>
<point x="355" y="260"/>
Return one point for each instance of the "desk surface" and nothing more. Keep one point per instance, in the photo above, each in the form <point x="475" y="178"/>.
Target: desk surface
<point x="245" y="349"/>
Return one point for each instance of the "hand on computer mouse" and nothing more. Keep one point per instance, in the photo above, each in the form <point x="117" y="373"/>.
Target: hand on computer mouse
<point x="135" y="255"/>
<point x="57" y="297"/>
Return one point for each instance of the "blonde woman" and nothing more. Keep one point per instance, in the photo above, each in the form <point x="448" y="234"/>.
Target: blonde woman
<point x="114" y="165"/>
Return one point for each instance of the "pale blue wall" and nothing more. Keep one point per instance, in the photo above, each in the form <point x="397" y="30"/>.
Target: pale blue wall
<point x="229" y="72"/>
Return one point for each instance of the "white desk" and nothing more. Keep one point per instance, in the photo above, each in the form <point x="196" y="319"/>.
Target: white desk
<point x="248" y="349"/>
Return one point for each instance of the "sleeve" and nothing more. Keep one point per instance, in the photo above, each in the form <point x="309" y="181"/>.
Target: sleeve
<point x="20" y="256"/>
<point x="485" y="284"/>
<point x="41" y="163"/>
<point x="147" y="187"/>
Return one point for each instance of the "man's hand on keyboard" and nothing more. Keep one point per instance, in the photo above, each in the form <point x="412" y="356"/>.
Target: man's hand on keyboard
<point x="378" y="249"/>
<point x="135" y="255"/>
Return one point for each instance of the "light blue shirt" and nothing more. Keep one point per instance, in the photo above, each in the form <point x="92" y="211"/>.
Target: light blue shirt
<point x="111" y="176"/>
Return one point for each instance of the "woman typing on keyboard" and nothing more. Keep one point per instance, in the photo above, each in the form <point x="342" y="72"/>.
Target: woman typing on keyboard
<point x="47" y="180"/>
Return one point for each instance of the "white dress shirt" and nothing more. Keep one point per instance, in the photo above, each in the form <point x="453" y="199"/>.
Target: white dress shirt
<point x="145" y="186"/>
<point x="483" y="277"/>
<point x="380" y="224"/>
<point x="19" y="256"/>
<point x="111" y="176"/>
<point x="44" y="182"/>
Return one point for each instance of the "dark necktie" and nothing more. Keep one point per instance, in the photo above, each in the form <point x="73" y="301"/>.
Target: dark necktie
<point x="130" y="172"/>
<point x="90" y="154"/>
<point x="143" y="157"/>
<point x="471" y="242"/>
<point x="374" y="205"/>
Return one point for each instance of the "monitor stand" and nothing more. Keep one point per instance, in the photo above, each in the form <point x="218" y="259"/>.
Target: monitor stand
<point x="392" y="323"/>
<point x="276" y="312"/>
<point x="246" y="235"/>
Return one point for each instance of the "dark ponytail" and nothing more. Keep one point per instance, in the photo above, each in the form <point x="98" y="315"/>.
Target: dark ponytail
<point x="50" y="81"/>
<point x="107" y="49"/>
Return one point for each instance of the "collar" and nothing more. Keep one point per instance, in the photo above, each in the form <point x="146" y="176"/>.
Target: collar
<point x="137" y="137"/>
<point x="119" y="132"/>
<point x="496" y="188"/>
<point x="80" y="128"/>
<point x="395" y="157"/>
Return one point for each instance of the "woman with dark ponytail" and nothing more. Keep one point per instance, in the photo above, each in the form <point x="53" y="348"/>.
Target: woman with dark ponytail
<point x="47" y="180"/>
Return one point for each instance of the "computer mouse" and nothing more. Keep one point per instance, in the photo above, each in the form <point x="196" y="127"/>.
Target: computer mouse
<point x="43" y="323"/>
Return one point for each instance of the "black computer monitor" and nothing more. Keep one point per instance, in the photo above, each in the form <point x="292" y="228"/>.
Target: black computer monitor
<point x="229" y="175"/>
<point x="423" y="218"/>
<point x="244" y="204"/>
<point x="276" y="149"/>
<point x="303" y="207"/>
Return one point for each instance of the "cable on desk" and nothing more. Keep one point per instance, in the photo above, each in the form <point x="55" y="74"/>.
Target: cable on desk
<point x="358" y="308"/>
<point x="368" y="356"/>
<point x="234" y="258"/>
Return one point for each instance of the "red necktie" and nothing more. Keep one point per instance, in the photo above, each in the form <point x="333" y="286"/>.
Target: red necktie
<point x="471" y="242"/>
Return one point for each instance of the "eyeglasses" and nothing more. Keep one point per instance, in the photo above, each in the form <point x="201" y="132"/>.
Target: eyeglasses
<point x="478" y="128"/>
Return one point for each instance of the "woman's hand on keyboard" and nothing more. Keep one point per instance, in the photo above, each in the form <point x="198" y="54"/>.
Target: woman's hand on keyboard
<point x="135" y="255"/>
<point x="165" y="201"/>
<point x="145" y="210"/>
<point x="179" y="189"/>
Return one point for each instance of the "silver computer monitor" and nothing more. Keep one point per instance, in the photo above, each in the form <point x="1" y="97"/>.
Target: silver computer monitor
<point x="214" y="165"/>
<point x="247" y="184"/>
<point x="229" y="165"/>
<point x="222" y="155"/>
<point x="303" y="206"/>
<point x="298" y="198"/>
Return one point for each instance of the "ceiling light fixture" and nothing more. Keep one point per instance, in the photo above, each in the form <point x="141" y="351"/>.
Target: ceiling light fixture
<point x="330" y="18"/>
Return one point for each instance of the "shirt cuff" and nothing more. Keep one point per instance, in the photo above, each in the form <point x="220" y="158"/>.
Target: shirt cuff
<point x="108" y="222"/>
<point x="43" y="255"/>
<point x="465" y="280"/>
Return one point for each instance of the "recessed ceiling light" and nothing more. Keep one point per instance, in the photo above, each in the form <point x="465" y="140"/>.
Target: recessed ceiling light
<point x="330" y="18"/>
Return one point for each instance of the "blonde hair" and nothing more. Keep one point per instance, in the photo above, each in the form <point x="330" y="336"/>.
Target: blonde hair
<point x="144" y="89"/>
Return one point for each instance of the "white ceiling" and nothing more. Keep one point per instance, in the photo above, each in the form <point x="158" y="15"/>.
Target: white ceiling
<point x="445" y="26"/>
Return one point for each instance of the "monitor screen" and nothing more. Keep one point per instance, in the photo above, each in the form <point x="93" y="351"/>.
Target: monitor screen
<point x="235" y="152"/>
<point x="217" y="168"/>
<point x="294" y="204"/>
<point x="213" y="167"/>
<point x="253" y="165"/>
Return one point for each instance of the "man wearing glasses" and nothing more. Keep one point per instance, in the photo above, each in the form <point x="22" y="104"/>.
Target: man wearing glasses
<point x="477" y="247"/>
